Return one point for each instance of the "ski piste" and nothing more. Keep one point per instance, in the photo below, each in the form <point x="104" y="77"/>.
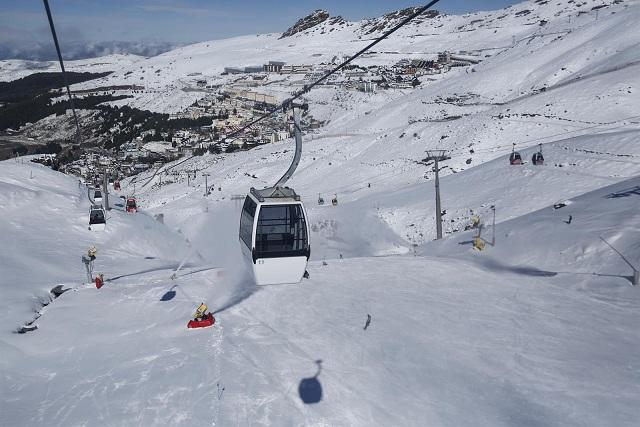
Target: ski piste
<point x="543" y="321"/>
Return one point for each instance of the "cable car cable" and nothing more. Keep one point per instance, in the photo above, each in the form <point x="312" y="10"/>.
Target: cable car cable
<point x="64" y="73"/>
<point x="287" y="103"/>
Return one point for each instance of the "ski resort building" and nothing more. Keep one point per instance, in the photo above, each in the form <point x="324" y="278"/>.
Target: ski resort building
<point x="273" y="66"/>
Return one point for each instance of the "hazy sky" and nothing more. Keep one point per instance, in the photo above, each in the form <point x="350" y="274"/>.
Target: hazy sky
<point x="23" y="23"/>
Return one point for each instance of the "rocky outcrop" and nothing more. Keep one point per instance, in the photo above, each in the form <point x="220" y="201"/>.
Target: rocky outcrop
<point x="387" y="21"/>
<point x="315" y="18"/>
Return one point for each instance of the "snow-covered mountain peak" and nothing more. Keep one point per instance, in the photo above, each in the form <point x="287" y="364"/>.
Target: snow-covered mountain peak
<point x="316" y="17"/>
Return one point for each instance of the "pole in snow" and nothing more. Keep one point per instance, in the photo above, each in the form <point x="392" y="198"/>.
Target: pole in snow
<point x="105" y="189"/>
<point x="206" y="185"/>
<point x="636" y="272"/>
<point x="436" y="156"/>
<point x="493" y="227"/>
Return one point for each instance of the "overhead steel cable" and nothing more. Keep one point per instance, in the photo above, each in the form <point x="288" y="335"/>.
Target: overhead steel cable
<point x="285" y="104"/>
<point x="64" y="73"/>
<point x="329" y="73"/>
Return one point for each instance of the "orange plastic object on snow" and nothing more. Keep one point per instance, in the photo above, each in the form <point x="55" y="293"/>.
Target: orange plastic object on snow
<point x="208" y="320"/>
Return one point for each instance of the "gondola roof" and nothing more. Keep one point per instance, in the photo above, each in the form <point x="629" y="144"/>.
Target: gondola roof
<point x="275" y="193"/>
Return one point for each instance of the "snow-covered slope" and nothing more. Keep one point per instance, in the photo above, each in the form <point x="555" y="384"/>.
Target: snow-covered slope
<point x="12" y="69"/>
<point x="530" y="25"/>
<point x="540" y="329"/>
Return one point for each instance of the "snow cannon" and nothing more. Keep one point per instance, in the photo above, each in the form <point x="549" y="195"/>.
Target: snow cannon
<point x="205" y="322"/>
<point x="201" y="318"/>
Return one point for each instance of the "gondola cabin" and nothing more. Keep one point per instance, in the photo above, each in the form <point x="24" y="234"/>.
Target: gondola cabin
<point x="274" y="235"/>
<point x="97" y="197"/>
<point x="515" y="158"/>
<point x="97" y="219"/>
<point x="320" y="199"/>
<point x="537" y="159"/>
<point x="116" y="185"/>
<point x="131" y="205"/>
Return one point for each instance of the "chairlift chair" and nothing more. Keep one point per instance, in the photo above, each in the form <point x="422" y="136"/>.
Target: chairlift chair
<point x="131" y="206"/>
<point x="320" y="199"/>
<point x="97" y="218"/>
<point x="515" y="158"/>
<point x="274" y="231"/>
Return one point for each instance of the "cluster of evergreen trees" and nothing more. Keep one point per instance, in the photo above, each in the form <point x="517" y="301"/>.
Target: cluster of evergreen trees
<point x="129" y="123"/>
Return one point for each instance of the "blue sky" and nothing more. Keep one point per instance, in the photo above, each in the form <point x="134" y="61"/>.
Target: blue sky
<point x="23" y="22"/>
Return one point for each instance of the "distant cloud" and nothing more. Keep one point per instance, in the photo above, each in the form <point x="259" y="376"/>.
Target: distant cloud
<point x="36" y="51"/>
<point x="175" y="7"/>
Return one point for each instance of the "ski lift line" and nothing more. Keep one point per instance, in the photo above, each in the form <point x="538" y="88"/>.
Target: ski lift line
<point x="64" y="73"/>
<point x="287" y="103"/>
<point x="373" y="179"/>
<point x="508" y="147"/>
<point x="493" y="149"/>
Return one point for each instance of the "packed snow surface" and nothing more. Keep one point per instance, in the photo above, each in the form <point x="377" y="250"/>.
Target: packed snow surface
<point x="540" y="328"/>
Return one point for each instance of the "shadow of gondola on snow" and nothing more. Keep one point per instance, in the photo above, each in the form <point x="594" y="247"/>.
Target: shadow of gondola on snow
<point x="169" y="295"/>
<point x="310" y="389"/>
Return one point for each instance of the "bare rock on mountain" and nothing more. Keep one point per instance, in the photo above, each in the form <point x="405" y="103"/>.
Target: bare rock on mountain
<point x="316" y="17"/>
<point x="387" y="21"/>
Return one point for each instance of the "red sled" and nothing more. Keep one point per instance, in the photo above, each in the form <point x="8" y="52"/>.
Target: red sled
<point x="209" y="320"/>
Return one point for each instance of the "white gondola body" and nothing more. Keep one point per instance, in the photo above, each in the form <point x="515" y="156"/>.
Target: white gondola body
<point x="274" y="271"/>
<point x="98" y="227"/>
<point x="97" y="218"/>
<point x="275" y="266"/>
